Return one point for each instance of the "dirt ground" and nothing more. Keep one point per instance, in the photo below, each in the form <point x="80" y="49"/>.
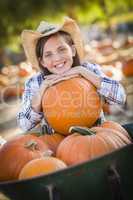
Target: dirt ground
<point x="8" y="123"/>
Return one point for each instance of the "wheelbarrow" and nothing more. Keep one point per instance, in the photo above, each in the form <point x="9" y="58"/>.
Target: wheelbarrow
<point x="109" y="177"/>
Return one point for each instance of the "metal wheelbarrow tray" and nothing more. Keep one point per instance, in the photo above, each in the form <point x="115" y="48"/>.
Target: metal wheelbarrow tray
<point x="109" y="177"/>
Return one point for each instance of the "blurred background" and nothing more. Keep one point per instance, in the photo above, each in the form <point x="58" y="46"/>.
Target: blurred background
<point x="107" y="27"/>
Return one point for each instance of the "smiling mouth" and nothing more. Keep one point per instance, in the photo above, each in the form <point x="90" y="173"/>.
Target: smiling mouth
<point x="59" y="66"/>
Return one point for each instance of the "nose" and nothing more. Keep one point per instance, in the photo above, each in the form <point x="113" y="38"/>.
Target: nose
<point x="56" y="57"/>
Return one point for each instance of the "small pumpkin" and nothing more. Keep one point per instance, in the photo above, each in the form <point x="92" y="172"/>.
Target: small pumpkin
<point x="127" y="68"/>
<point x="70" y="102"/>
<point x="23" y="72"/>
<point x="86" y="144"/>
<point x="52" y="140"/>
<point x="15" y="153"/>
<point x="41" y="166"/>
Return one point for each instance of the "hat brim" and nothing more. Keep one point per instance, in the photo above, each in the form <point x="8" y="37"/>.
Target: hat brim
<point x="30" y="38"/>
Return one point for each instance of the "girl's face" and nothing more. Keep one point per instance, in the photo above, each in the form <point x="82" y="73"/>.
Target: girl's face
<point x="57" y="55"/>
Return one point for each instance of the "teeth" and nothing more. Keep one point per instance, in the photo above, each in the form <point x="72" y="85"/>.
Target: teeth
<point x="60" y="65"/>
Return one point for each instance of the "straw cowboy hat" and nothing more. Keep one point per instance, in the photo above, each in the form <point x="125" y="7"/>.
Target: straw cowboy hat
<point x="30" y="38"/>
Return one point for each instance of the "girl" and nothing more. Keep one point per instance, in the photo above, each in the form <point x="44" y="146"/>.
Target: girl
<point x="58" y="52"/>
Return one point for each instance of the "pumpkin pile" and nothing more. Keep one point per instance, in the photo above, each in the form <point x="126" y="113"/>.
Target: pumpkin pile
<point x="30" y="155"/>
<point x="19" y="151"/>
<point x="71" y="102"/>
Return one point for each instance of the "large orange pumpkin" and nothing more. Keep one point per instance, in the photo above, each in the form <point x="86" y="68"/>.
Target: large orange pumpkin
<point x="41" y="166"/>
<point x="87" y="144"/>
<point x="52" y="140"/>
<point x="71" y="102"/>
<point x="17" y="152"/>
<point x="127" y="68"/>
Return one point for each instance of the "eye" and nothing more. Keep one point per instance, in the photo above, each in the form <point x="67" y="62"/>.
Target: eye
<point x="62" y="49"/>
<point x="48" y="55"/>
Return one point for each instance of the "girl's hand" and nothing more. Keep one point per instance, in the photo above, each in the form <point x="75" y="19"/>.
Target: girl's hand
<point x="59" y="78"/>
<point x="75" y="71"/>
<point x="36" y="100"/>
<point x="87" y="74"/>
<point x="51" y="76"/>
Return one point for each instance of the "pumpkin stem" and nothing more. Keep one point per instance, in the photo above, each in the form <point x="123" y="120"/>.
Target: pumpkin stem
<point x="81" y="130"/>
<point x="31" y="145"/>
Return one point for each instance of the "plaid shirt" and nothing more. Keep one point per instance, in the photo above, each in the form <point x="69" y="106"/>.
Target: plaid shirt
<point x="27" y="118"/>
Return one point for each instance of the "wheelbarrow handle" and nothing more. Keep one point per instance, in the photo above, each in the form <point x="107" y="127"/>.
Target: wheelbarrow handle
<point x="54" y="193"/>
<point x="114" y="180"/>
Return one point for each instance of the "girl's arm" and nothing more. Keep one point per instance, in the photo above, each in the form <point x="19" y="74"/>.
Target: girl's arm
<point x="111" y="89"/>
<point x="27" y="117"/>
